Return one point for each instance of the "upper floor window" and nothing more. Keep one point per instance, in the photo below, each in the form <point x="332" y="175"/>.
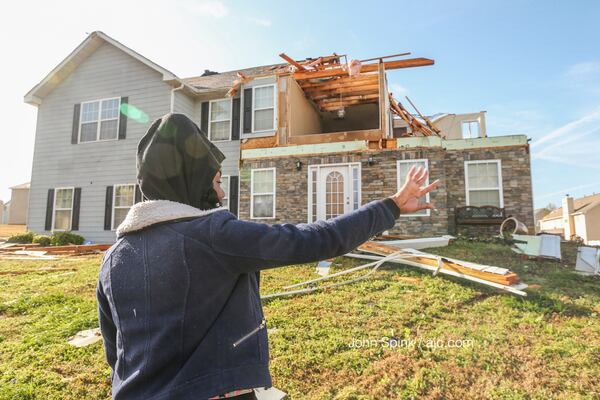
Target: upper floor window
<point x="124" y="198"/>
<point x="483" y="183"/>
<point x="263" y="108"/>
<point x="99" y="120"/>
<point x="470" y="129"/>
<point x="219" y="127"/>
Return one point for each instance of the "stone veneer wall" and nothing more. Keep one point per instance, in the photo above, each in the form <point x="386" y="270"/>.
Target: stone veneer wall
<point x="379" y="180"/>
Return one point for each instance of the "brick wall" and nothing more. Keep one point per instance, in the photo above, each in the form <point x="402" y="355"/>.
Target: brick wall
<point x="379" y="180"/>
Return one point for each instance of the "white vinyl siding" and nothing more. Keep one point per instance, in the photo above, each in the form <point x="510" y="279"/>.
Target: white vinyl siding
<point x="219" y="124"/>
<point x="99" y="120"/>
<point x="263" y="108"/>
<point x="262" y="193"/>
<point x="123" y="199"/>
<point x="402" y="168"/>
<point x="63" y="209"/>
<point x="225" y="186"/>
<point x="483" y="183"/>
<point x="470" y="129"/>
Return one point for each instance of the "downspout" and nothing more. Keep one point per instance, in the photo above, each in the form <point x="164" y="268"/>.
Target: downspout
<point x="173" y="96"/>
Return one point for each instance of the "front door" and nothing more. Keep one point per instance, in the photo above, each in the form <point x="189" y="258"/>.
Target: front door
<point x="333" y="191"/>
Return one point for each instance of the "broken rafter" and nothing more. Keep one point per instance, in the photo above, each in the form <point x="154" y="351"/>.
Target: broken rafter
<point x="410" y="120"/>
<point x="340" y="71"/>
<point x="427" y="120"/>
<point x="293" y="62"/>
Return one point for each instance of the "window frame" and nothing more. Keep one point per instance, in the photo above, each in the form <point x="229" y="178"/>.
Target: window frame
<point x="469" y="121"/>
<point x="210" y="102"/>
<point x="254" y="109"/>
<point x="54" y="208"/>
<point x="252" y="194"/>
<point x="500" y="187"/>
<point x="399" y="184"/>
<point x="99" y="120"/>
<point x="228" y="192"/>
<point x="114" y="206"/>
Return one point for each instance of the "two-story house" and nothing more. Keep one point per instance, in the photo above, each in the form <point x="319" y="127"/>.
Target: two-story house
<point x="304" y="141"/>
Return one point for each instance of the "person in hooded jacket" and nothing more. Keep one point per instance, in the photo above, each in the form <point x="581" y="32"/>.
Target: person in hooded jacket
<point x="178" y="293"/>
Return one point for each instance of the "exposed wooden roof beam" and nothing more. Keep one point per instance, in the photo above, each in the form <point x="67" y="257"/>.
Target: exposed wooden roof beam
<point x="293" y="62"/>
<point x="339" y="71"/>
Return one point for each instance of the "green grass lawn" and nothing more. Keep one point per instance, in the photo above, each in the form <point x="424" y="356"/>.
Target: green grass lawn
<point x="544" y="346"/>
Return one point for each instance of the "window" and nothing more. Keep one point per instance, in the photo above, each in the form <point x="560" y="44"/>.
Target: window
<point x="225" y="187"/>
<point x="402" y="168"/>
<point x="99" y="120"/>
<point x="470" y="129"/>
<point x="219" y="127"/>
<point x="123" y="199"/>
<point x="63" y="209"/>
<point x="263" y="108"/>
<point x="483" y="183"/>
<point x="262" y="193"/>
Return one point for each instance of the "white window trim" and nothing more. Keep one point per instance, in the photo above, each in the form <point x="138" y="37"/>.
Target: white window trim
<point x="500" y="187"/>
<point x="468" y="121"/>
<point x="220" y="120"/>
<point x="274" y="193"/>
<point x="114" y="196"/>
<point x="399" y="184"/>
<point x="265" y="108"/>
<point x="317" y="167"/>
<point x="228" y="192"/>
<point x="54" y="208"/>
<point x="99" y="120"/>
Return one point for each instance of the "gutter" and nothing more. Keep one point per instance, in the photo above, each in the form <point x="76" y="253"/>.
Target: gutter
<point x="173" y="96"/>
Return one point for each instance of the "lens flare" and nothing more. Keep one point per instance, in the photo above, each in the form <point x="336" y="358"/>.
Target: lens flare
<point x="134" y="113"/>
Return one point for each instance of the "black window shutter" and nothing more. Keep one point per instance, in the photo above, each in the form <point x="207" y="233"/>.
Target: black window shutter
<point x="123" y="118"/>
<point x="204" y="117"/>
<point x="76" y="208"/>
<point x="235" y="119"/>
<point x="138" y="194"/>
<point x="108" y="209"/>
<point x="248" y="110"/>
<point x="75" y="131"/>
<point x="49" y="209"/>
<point x="233" y="194"/>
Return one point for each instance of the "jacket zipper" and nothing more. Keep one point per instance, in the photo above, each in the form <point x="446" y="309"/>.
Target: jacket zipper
<point x="262" y="325"/>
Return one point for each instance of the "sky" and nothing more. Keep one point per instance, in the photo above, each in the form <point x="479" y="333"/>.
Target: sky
<point x="533" y="66"/>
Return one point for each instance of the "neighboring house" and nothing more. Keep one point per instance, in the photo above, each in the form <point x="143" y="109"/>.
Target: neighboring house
<point x="19" y="203"/>
<point x="3" y="212"/>
<point x="301" y="144"/>
<point x="577" y="218"/>
<point x="452" y="126"/>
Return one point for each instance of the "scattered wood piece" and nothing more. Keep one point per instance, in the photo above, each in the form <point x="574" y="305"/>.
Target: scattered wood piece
<point x="86" y="337"/>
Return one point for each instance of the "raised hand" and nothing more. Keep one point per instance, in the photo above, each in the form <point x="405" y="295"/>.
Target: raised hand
<point x="407" y="198"/>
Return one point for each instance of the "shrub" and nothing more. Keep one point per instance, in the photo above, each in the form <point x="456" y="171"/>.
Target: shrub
<point x="65" y="238"/>
<point x="26" y="237"/>
<point x="42" y="240"/>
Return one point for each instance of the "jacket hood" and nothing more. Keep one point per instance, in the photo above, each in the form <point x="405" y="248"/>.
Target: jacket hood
<point x="151" y="212"/>
<point x="177" y="162"/>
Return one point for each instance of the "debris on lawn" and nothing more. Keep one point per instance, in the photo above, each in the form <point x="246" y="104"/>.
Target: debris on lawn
<point x="86" y="337"/>
<point x="511" y="226"/>
<point x="501" y="278"/>
<point x="542" y="246"/>
<point x="323" y="267"/>
<point x="14" y="251"/>
<point x="588" y="260"/>
<point x="421" y="243"/>
<point x="271" y="393"/>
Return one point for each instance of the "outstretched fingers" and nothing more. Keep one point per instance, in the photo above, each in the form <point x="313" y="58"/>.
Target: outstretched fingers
<point x="429" y="188"/>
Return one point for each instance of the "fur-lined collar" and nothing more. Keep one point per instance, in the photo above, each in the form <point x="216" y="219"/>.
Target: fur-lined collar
<point x="152" y="212"/>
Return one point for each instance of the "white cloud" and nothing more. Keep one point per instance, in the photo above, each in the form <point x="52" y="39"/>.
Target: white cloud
<point x="398" y="90"/>
<point x="214" y="9"/>
<point x="260" y="21"/>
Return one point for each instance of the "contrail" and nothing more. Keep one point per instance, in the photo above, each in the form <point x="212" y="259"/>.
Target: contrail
<point x="566" y="129"/>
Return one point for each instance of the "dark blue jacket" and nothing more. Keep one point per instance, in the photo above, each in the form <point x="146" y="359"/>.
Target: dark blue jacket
<point x="176" y="296"/>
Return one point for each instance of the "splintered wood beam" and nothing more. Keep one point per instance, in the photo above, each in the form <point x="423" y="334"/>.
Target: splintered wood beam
<point x="338" y="105"/>
<point x="341" y="81"/>
<point x="349" y="98"/>
<point x="339" y="71"/>
<point x="293" y="62"/>
<point x="342" y="88"/>
<point x="381" y="58"/>
<point x="371" y="89"/>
